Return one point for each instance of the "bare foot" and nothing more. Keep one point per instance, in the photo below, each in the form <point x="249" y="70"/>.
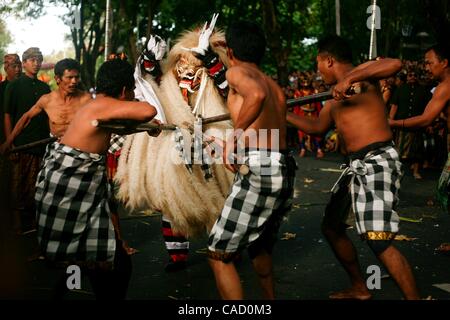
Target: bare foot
<point x="320" y="153"/>
<point x="351" y="293"/>
<point x="129" y="250"/>
<point x="417" y="176"/>
<point x="302" y="153"/>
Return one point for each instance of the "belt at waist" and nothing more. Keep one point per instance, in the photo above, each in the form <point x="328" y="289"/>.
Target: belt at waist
<point x="361" y="153"/>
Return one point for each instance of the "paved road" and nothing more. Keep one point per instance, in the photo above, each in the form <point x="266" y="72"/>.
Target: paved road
<point x="305" y="267"/>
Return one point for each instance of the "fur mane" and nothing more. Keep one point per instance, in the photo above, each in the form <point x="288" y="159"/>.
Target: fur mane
<point x="189" y="39"/>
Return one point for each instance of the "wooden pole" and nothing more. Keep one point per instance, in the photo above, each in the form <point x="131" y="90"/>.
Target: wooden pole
<point x="37" y="143"/>
<point x="119" y="125"/>
<point x="373" y="32"/>
<point x="130" y="127"/>
<point x="338" y="17"/>
<point x="108" y="25"/>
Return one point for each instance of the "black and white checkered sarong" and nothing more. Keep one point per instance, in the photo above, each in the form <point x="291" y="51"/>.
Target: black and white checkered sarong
<point x="257" y="202"/>
<point x="187" y="151"/>
<point x="116" y="143"/>
<point x="74" y="223"/>
<point x="373" y="187"/>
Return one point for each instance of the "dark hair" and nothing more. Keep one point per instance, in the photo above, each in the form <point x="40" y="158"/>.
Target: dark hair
<point x="112" y="76"/>
<point x="336" y="47"/>
<point x="441" y="50"/>
<point x="247" y="41"/>
<point x="66" y="64"/>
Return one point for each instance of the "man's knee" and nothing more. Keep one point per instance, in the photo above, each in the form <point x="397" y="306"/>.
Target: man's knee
<point x="262" y="263"/>
<point x="262" y="268"/>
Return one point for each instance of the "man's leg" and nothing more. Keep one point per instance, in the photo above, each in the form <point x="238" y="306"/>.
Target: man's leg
<point x="263" y="266"/>
<point x="401" y="272"/>
<point x="346" y="254"/>
<point x="112" y="284"/>
<point x="227" y="280"/>
<point x="415" y="168"/>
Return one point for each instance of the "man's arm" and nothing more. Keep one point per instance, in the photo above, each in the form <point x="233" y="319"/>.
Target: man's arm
<point x="113" y="109"/>
<point x="393" y="111"/>
<point x="7" y="109"/>
<point x="253" y="97"/>
<point x="7" y="125"/>
<point x="434" y="107"/>
<point x="371" y="70"/>
<point x="315" y="126"/>
<point x="25" y="120"/>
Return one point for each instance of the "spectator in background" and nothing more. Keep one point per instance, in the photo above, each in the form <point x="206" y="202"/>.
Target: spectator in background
<point x="13" y="69"/>
<point x="410" y="100"/>
<point x="400" y="79"/>
<point x="20" y="96"/>
<point x="387" y="88"/>
<point x="307" y="141"/>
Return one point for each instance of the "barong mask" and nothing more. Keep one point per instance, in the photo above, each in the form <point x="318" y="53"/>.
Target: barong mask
<point x="189" y="72"/>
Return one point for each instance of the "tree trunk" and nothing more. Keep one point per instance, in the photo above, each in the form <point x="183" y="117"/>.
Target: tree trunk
<point x="273" y="34"/>
<point x="150" y="14"/>
<point x="436" y="12"/>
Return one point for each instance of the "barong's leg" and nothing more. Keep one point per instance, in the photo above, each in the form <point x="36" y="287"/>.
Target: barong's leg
<point x="177" y="246"/>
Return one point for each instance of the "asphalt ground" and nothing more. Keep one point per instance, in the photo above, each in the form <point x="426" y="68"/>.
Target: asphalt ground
<point x="304" y="265"/>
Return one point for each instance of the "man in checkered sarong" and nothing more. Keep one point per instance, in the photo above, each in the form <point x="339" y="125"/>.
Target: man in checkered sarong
<point x="264" y="175"/>
<point x="370" y="183"/>
<point x="74" y="218"/>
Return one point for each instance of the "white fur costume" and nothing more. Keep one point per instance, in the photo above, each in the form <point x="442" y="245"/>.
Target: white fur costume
<point x="151" y="173"/>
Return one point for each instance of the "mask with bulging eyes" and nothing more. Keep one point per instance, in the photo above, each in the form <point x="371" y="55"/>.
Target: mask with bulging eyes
<point x="152" y="53"/>
<point x="189" y="73"/>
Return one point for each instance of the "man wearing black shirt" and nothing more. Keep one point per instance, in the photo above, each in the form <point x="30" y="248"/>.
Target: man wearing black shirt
<point x="13" y="69"/>
<point x="20" y="95"/>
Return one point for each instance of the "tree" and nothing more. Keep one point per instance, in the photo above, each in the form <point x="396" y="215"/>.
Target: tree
<point x="437" y="13"/>
<point x="287" y="24"/>
<point x="5" y="38"/>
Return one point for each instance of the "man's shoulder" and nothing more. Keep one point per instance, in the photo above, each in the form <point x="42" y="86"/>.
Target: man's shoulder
<point x="15" y="82"/>
<point x="84" y="95"/>
<point x="443" y="88"/>
<point x="240" y="69"/>
<point x="3" y="84"/>
<point x="44" y="85"/>
<point x="445" y="84"/>
<point x="48" y="97"/>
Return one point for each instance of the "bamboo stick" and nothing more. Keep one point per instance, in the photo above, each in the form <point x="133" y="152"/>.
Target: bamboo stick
<point x="30" y="145"/>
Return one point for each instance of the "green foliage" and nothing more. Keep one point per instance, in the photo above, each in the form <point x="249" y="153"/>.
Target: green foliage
<point x="287" y="24"/>
<point x="5" y="39"/>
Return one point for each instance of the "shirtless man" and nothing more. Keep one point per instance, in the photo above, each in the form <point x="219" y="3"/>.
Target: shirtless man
<point x="371" y="181"/>
<point x="74" y="218"/>
<point x="251" y="216"/>
<point x="60" y="105"/>
<point x="437" y="61"/>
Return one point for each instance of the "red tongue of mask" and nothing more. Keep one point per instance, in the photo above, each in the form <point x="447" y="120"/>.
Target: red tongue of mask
<point x="148" y="64"/>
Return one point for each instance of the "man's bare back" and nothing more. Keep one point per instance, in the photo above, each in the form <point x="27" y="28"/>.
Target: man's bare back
<point x="61" y="110"/>
<point x="248" y="88"/>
